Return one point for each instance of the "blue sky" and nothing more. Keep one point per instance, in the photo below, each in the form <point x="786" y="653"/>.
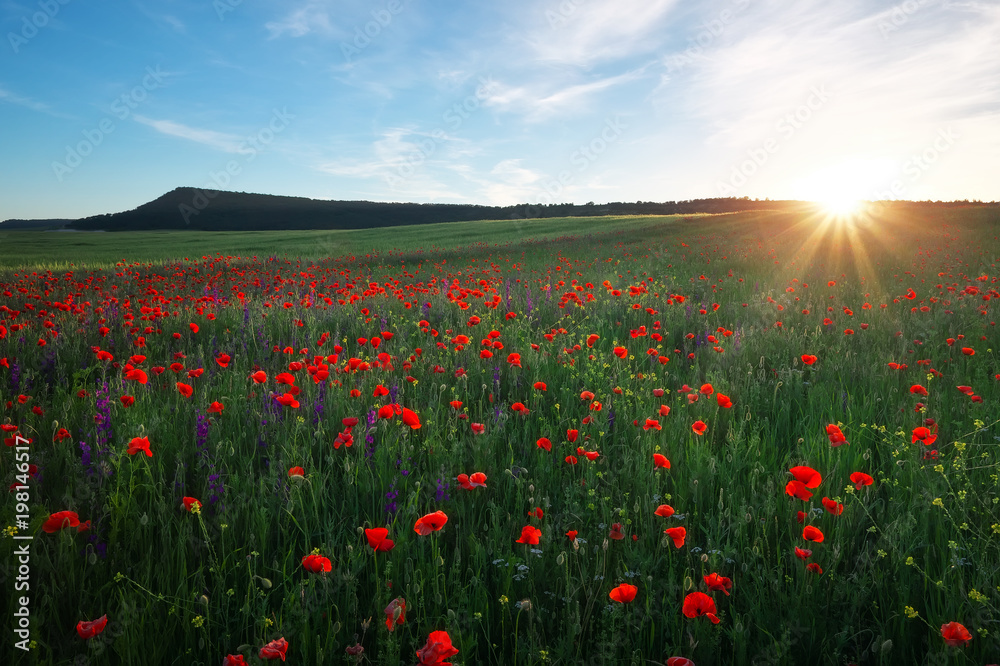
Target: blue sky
<point x="104" y="106"/>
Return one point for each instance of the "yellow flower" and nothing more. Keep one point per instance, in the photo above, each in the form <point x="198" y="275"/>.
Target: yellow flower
<point x="910" y="612"/>
<point x="937" y="502"/>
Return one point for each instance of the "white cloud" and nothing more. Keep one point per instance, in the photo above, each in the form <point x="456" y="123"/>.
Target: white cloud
<point x="311" y="17"/>
<point x="228" y="143"/>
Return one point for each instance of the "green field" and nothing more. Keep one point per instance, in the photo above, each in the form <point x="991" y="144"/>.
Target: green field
<point x="557" y="357"/>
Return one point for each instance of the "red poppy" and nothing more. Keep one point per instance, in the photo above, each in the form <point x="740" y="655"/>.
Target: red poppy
<point x="803" y="553"/>
<point x="810" y="533"/>
<point x="723" y="401"/>
<point x="814" y="568"/>
<point x="664" y="510"/>
<point x="836" y="435"/>
<point x="807" y="475"/>
<point x="378" y="539"/>
<point x="586" y="395"/>
<point x="544" y="443"/>
<point x="437" y="649"/>
<point x="592" y="338"/>
<point x="189" y="504"/>
<point x="968" y="351"/>
<point x="808" y="359"/>
<point x="259" y="377"/>
<point x="87" y="629"/>
<point x="540" y="386"/>
<point x="673" y="661"/>
<point x="411" y="419"/>
<point x="216" y="407"/>
<point x="223" y="360"/>
<point x="664" y="410"/>
<point x="478" y="428"/>
<point x="624" y="593"/>
<point x="139" y="444"/>
<point x="288" y="400"/>
<point x="316" y="564"/>
<point x="185" y="390"/>
<point x="274" y="650"/>
<point x="137" y="375"/>
<point x="530" y="535"/>
<point x="296" y="471"/>
<point x="194" y="329"/>
<point x="571" y="460"/>
<point x="955" y="634"/>
<point x="432" y="522"/>
<point x="571" y="535"/>
<point x="395" y="613"/>
<point x="707" y="389"/>
<point x="571" y="435"/>
<point x="519" y="407"/>
<point x="833" y="506"/>
<point x="860" y="479"/>
<point x="917" y="389"/>
<point x="514" y="359"/>
<point x="923" y="435"/>
<point x="699" y="427"/>
<point x="660" y="460"/>
<point x="718" y="583"/>
<point x="678" y="534"/>
<point x="621" y="352"/>
<point x="60" y="520"/>
<point x="616" y="532"/>
<point x="698" y="604"/>
<point x="652" y="424"/>
<point x="234" y="660"/>
<point x="798" y="490"/>
<point x="127" y="400"/>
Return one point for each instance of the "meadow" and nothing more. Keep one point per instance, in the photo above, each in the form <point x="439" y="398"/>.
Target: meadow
<point x="759" y="438"/>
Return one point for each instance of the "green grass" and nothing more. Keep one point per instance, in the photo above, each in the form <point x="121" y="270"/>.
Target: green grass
<point x="182" y="588"/>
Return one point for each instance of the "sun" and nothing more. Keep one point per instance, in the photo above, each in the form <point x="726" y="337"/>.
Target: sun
<point x="841" y="189"/>
<point x="842" y="206"/>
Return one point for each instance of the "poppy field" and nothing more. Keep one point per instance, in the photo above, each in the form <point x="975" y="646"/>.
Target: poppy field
<point x="740" y="439"/>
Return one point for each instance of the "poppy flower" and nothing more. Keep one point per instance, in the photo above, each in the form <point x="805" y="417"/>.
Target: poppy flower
<point x="652" y="424"/>
<point x="621" y="352"/>
<point x="59" y="520"/>
<point x="571" y="460"/>
<point x="968" y="351"/>
<point x="234" y="660"/>
<point x="411" y="419"/>
<point x="139" y="444"/>
<point x="127" y="400"/>
<point x="923" y="435"/>
<point x="707" y="389"/>
<point x="285" y="378"/>
<point x="808" y="359"/>
<point x="833" y="506"/>
<point x="803" y="553"/>
<point x="571" y="435"/>
<point x="288" y="400"/>
<point x="216" y="407"/>
<point x="540" y="386"/>
<point x="723" y="401"/>
<point x="678" y="535"/>
<point x="530" y="535"/>
<point x="664" y="510"/>
<point x="660" y="460"/>
<point x="432" y="522"/>
<point x="624" y="593"/>
<point x="917" y="389"/>
<point x="807" y="475"/>
<point x="797" y="489"/>
<point x="259" y="377"/>
<point x="514" y="359"/>
<point x="616" y="532"/>
<point x="800" y="517"/>
<point x="437" y="649"/>
<point x="378" y="539"/>
<point x="586" y="395"/>
<point x="137" y="375"/>
<point x="544" y="443"/>
<point x="673" y="661"/>
<point x="478" y="428"/>
<point x="274" y="650"/>
<point x="316" y="564"/>
<point x="296" y="471"/>
<point x="698" y="604"/>
<point x="520" y="408"/>
<point x="194" y="329"/>
<point x="810" y="533"/>
<point x="87" y="629"/>
<point x="184" y="389"/>
<point x="223" y="360"/>
<point x="814" y="568"/>
<point x="190" y="504"/>
<point x="860" y="479"/>
<point x="718" y="583"/>
<point x="571" y="535"/>
<point x="836" y="435"/>
<point x="699" y="427"/>
<point x="395" y="613"/>
<point x="955" y="634"/>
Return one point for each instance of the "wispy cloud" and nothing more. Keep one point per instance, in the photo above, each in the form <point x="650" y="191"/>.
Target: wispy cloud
<point x="26" y="102"/>
<point x="539" y="101"/>
<point x="228" y="143"/>
<point x="313" y="16"/>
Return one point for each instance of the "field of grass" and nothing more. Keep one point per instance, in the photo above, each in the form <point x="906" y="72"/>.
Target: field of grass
<point x="641" y="395"/>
